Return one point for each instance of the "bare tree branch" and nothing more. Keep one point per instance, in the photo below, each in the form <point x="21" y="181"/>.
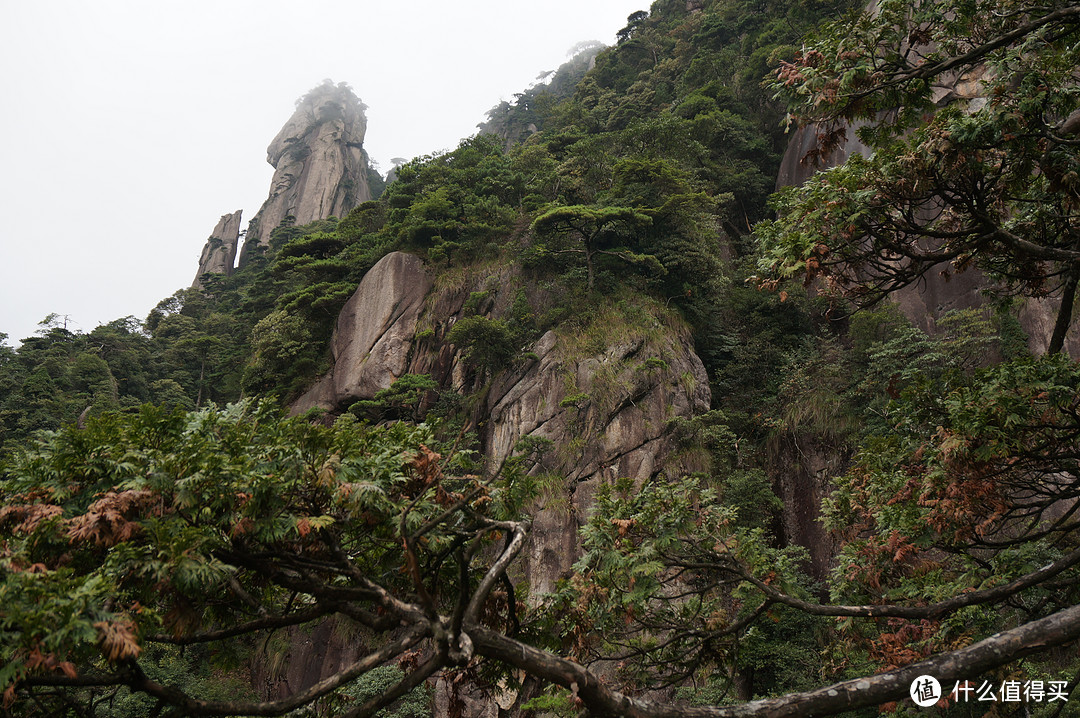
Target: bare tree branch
<point x="518" y="530"/>
<point x="965" y="663"/>
<point x="133" y="677"/>
<point x="932" y="611"/>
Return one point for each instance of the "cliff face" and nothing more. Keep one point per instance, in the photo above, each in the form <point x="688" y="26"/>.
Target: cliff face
<point x="219" y="252"/>
<point x="802" y="476"/>
<point x="926" y="301"/>
<point x="603" y="396"/>
<point x="320" y="165"/>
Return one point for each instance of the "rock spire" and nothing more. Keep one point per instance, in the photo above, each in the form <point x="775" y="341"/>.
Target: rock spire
<point x="321" y="168"/>
<point x="219" y="252"/>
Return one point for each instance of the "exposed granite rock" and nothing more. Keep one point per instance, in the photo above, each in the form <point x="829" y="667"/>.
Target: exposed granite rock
<point x="926" y="301"/>
<point x="795" y="168"/>
<point x="605" y="403"/>
<point x="301" y="657"/>
<point x="607" y="416"/>
<point x="373" y="333"/>
<point x="321" y="168"/>
<point x="603" y="394"/>
<point x="219" y="253"/>
<point x="802" y="478"/>
<point x="1037" y="318"/>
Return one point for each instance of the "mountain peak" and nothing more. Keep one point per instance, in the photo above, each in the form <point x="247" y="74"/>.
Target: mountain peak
<point x="321" y="168"/>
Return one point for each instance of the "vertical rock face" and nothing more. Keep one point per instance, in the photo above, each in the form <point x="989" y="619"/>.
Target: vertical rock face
<point x="219" y="252"/>
<point x="373" y="334"/>
<point x="922" y="303"/>
<point x="320" y="165"/>
<point x="605" y="403"/>
<point x="802" y="479"/>
<point x="601" y="400"/>
<point x="927" y="300"/>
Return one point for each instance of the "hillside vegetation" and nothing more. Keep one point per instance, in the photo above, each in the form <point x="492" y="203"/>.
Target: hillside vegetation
<point x="863" y="502"/>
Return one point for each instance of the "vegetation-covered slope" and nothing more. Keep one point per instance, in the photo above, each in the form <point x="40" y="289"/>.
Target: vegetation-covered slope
<point x="944" y="468"/>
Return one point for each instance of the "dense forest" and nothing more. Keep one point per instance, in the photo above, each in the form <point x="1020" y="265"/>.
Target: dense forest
<point x="854" y="495"/>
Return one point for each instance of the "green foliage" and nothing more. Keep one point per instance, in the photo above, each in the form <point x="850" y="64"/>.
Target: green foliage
<point x="488" y="343"/>
<point x="278" y="340"/>
<point x="121" y="536"/>
<point x="753" y="341"/>
<point x="659" y="127"/>
<point x="592" y="232"/>
<point x="634" y="191"/>
<point x="927" y="504"/>
<point x="987" y="182"/>
<point x="559" y="703"/>
<point x="402" y="399"/>
<point x="457" y="204"/>
<point x="783" y="654"/>
<point x="58" y="375"/>
<point x="532" y="108"/>
<point x="416" y="704"/>
<point x="198" y="670"/>
<point x="200" y="343"/>
<point x="750" y="493"/>
<point x="645" y="546"/>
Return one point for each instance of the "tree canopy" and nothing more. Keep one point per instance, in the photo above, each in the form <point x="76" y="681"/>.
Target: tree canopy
<point x="593" y="232"/>
<point x="148" y="552"/>
<point x="210" y="528"/>
<point x="989" y="180"/>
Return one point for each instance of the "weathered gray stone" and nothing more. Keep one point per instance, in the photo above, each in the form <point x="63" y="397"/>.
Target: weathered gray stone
<point x="1037" y="318"/>
<point x="605" y="405"/>
<point x="619" y="429"/>
<point x="320" y="165"/>
<point x="371" y="339"/>
<point x="802" y="477"/>
<point x="927" y="300"/>
<point x="300" y="658"/>
<point x="219" y="252"/>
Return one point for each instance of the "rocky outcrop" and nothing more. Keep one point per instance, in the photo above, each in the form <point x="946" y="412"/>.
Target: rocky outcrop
<point x="219" y="252"/>
<point x="923" y="303"/>
<point x="802" y="476"/>
<point x="320" y="167"/>
<point x="802" y="468"/>
<point x="603" y="394"/>
<point x="372" y="337"/>
<point x="294" y="659"/>
<point x="796" y="166"/>
<point x="607" y="415"/>
<point x="926" y="301"/>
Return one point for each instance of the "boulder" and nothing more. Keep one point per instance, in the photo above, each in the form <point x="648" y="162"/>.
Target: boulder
<point x="374" y="331"/>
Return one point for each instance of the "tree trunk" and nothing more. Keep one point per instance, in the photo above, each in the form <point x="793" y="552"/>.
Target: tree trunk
<point x="1064" y="317"/>
<point x="743" y="681"/>
<point x="202" y="374"/>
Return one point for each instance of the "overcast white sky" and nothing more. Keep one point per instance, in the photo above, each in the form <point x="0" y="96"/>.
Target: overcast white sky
<point x="131" y="126"/>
